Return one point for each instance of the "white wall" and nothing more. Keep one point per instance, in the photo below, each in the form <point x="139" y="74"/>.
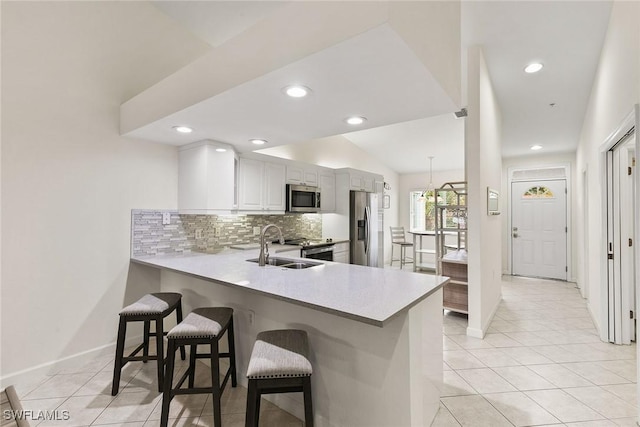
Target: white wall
<point x="338" y="152"/>
<point x="483" y="169"/>
<point x="615" y="91"/>
<point x="530" y="162"/>
<point x="69" y="180"/>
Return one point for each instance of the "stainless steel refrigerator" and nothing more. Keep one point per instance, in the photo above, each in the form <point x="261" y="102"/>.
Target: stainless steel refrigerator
<point x="365" y="229"/>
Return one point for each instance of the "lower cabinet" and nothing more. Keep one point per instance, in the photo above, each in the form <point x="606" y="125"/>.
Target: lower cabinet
<point x="341" y="252"/>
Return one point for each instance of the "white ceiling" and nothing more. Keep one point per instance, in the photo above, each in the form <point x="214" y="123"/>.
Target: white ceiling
<point x="359" y="76"/>
<point x="407" y="146"/>
<point x="565" y="36"/>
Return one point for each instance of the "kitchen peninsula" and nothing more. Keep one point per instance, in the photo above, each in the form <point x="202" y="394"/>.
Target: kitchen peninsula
<point x="375" y="334"/>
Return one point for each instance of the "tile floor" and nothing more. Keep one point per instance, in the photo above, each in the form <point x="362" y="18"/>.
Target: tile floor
<point x="85" y="392"/>
<point x="541" y="363"/>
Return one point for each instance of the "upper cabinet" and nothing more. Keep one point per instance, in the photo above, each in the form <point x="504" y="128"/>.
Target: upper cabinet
<point x="361" y="182"/>
<point x="327" y="185"/>
<point x="302" y="175"/>
<point x="358" y="180"/>
<point x="347" y="180"/>
<point x="261" y="187"/>
<point x="207" y="178"/>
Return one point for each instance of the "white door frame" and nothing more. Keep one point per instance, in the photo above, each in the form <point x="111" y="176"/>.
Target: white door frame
<point x="632" y="119"/>
<point x="567" y="177"/>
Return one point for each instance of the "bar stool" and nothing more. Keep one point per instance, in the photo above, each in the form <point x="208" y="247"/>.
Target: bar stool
<point x="398" y="238"/>
<point x="201" y="326"/>
<point x="279" y="364"/>
<point x="149" y="308"/>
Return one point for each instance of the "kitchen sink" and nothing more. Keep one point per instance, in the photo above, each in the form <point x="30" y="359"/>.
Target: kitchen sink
<point x="288" y="263"/>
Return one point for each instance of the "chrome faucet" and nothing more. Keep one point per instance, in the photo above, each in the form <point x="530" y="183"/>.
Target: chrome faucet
<point x="264" y="246"/>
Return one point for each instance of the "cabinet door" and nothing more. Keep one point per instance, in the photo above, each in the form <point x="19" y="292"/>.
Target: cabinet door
<point x="274" y="187"/>
<point x="251" y="184"/>
<point x="327" y="192"/>
<point x="367" y="183"/>
<point x="295" y="175"/>
<point x="342" y="257"/>
<point x="302" y="176"/>
<point x="356" y="182"/>
<point x="310" y="177"/>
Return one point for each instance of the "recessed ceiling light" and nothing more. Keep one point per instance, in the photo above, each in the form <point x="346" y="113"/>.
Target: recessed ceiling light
<point x="355" y="120"/>
<point x="533" y="67"/>
<point x="297" y="91"/>
<point x="221" y="150"/>
<point x="258" y="141"/>
<point x="182" y="129"/>
<point x="536" y="147"/>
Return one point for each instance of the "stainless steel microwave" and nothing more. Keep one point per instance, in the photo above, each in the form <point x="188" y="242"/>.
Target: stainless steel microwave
<point x="303" y="199"/>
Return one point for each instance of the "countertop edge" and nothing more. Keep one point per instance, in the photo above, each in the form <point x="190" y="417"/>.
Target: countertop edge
<point x="339" y="313"/>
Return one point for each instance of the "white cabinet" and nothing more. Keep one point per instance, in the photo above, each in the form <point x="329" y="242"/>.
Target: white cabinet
<point x="302" y="175"/>
<point x="341" y="252"/>
<point x="261" y="186"/>
<point x="361" y="182"/>
<point x="347" y="180"/>
<point x="207" y="178"/>
<point x="327" y="185"/>
<point x="274" y="187"/>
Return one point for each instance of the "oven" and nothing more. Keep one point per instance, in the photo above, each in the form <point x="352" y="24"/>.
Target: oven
<point x="323" y="253"/>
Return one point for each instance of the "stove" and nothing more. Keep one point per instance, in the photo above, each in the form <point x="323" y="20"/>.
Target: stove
<point x="308" y="243"/>
<point x="315" y="249"/>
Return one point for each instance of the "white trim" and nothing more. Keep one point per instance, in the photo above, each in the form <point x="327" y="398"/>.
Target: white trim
<point x="567" y="177"/>
<point x="480" y="333"/>
<point x="629" y="121"/>
<point x="583" y="285"/>
<point x="36" y="373"/>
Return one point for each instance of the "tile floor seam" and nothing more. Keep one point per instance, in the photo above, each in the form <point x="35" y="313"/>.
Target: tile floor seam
<point x="567" y="334"/>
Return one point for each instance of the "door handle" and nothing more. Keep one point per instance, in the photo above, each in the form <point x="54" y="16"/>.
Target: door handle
<point x="516" y="235"/>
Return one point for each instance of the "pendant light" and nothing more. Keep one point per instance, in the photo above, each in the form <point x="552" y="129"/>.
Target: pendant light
<point x="430" y="187"/>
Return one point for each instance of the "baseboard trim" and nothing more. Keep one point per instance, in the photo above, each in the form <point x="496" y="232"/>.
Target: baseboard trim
<point x="480" y="333"/>
<point x="49" y="368"/>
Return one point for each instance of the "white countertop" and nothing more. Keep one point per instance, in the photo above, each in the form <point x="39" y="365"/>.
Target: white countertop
<point x="366" y="294"/>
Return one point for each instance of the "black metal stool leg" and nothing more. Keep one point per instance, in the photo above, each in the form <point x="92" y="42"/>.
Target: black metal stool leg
<point x="308" y="405"/>
<point x="215" y="384"/>
<point x="192" y="364"/>
<point x="167" y="394"/>
<point x="183" y="355"/>
<point x="145" y="341"/>
<point x="232" y="354"/>
<point x="117" y="370"/>
<point x="160" y="352"/>
<point x="253" y="405"/>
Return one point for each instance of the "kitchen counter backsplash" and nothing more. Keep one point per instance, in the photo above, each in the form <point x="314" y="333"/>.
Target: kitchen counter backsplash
<point x="215" y="232"/>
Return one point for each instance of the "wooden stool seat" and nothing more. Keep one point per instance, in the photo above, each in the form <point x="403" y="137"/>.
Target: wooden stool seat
<point x="150" y="308"/>
<point x="279" y="364"/>
<point x="201" y="326"/>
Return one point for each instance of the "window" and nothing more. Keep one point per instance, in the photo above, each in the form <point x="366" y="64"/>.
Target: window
<point x="416" y="211"/>
<point x="422" y="210"/>
<point x="538" y="193"/>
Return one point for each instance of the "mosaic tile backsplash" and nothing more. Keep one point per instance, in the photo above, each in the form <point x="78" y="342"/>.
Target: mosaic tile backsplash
<point x="215" y="232"/>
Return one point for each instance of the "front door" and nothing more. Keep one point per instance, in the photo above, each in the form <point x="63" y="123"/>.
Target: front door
<point x="539" y="228"/>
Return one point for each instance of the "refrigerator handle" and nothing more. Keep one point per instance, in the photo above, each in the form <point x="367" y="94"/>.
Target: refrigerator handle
<point x="367" y="214"/>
